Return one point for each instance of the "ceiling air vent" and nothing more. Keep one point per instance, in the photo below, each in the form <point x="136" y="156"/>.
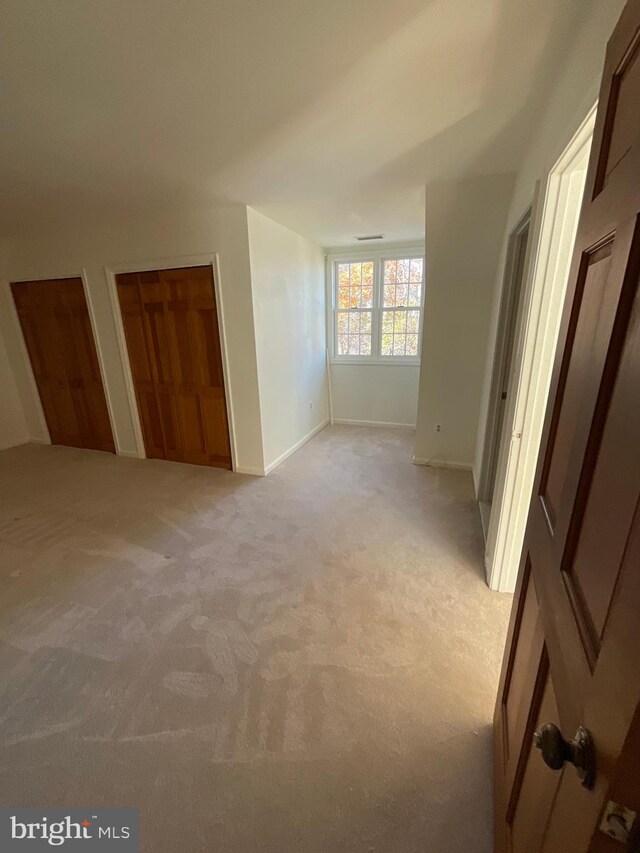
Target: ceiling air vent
<point x="371" y="237"/>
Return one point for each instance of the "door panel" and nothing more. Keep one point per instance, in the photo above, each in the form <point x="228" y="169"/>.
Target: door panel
<point x="527" y="647"/>
<point x="572" y="649"/>
<point x="523" y="683"/>
<point x="57" y="332"/>
<point x="621" y="124"/>
<point x="539" y="783"/>
<point x="214" y="412"/>
<point x="156" y="334"/>
<point x="133" y="322"/>
<point x="167" y="406"/>
<point x="586" y="350"/>
<point x="173" y="340"/>
<point x="601" y="540"/>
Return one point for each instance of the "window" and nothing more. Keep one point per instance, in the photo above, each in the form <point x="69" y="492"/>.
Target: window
<point x="378" y="307"/>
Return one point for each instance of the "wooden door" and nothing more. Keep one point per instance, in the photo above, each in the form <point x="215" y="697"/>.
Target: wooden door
<point x="171" y="327"/>
<point x="573" y="649"/>
<point x="59" y="338"/>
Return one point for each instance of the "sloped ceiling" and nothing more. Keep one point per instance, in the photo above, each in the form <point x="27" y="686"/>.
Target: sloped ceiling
<point x="327" y="115"/>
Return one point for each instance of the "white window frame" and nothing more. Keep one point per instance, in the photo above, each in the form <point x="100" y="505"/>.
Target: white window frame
<point x="378" y="256"/>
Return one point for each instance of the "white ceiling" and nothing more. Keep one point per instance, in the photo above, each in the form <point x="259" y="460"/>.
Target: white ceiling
<point x="328" y="115"/>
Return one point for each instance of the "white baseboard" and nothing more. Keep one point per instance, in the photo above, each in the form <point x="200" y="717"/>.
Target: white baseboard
<point x="37" y="440"/>
<point x="15" y="444"/>
<point x="373" y="423"/>
<point x="130" y="454"/>
<point x="442" y="463"/>
<point x="272" y="465"/>
<point x="254" y="472"/>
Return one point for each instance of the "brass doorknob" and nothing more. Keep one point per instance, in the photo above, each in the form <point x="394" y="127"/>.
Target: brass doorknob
<point x="556" y="751"/>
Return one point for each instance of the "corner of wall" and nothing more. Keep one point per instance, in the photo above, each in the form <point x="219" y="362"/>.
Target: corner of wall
<point x="288" y="303"/>
<point x="465" y="224"/>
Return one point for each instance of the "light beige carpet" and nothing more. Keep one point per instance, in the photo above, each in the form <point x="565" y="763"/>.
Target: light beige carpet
<point x="305" y="662"/>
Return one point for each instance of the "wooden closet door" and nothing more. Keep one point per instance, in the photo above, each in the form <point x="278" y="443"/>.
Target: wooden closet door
<point x="143" y="381"/>
<point x="57" y="331"/>
<point x="171" y="327"/>
<point x="153" y="298"/>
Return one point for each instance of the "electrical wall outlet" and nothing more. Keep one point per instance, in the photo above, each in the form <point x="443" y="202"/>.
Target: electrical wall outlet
<point x="438" y="427"/>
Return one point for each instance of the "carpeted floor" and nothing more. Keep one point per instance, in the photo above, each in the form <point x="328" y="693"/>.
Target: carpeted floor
<point x="303" y="662"/>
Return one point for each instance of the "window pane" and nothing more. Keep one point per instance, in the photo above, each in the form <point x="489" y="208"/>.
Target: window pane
<point x="412" y="345"/>
<point x="401" y="295"/>
<point x="399" y="344"/>
<point x="365" y="322"/>
<point x="390" y="272"/>
<point x="415" y="273"/>
<point x="399" y="322"/>
<point x="414" y="295"/>
<point x="389" y="295"/>
<point x="403" y="270"/>
<point x="387" y="344"/>
<point x="365" y="344"/>
<point x="354" y="323"/>
<point x="343" y="344"/>
<point x="343" y="286"/>
<point x="413" y="322"/>
<point x="354" y="284"/>
<point x="343" y="323"/>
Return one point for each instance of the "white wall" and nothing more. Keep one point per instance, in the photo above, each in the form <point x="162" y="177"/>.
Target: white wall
<point x="375" y="393"/>
<point x="167" y="236"/>
<point x="465" y="222"/>
<point x="13" y="425"/>
<point x="287" y="274"/>
<point x="574" y="92"/>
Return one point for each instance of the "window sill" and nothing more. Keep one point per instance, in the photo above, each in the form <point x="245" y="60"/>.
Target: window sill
<point x="396" y="362"/>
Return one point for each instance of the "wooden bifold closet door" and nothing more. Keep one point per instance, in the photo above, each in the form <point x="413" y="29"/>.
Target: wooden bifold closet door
<point x="59" y="338"/>
<point x="172" y="334"/>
